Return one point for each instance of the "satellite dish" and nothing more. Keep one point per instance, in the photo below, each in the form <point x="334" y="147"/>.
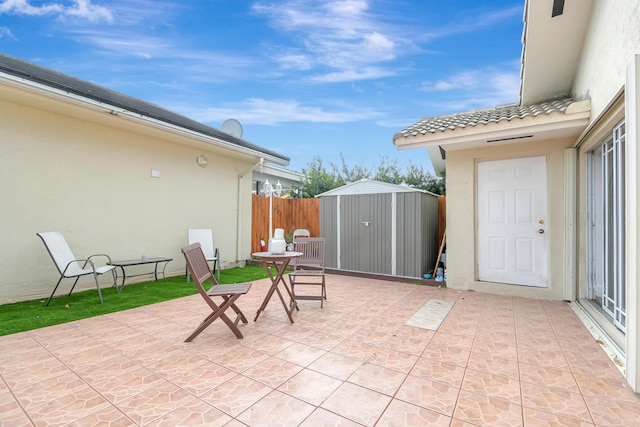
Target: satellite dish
<point x="232" y="127"/>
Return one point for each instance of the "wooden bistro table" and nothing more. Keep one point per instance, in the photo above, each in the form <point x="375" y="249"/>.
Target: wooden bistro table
<point x="280" y="262"/>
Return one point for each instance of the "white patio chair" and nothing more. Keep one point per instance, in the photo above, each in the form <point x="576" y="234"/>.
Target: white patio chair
<point x="69" y="266"/>
<point x="204" y="236"/>
<point x="301" y="232"/>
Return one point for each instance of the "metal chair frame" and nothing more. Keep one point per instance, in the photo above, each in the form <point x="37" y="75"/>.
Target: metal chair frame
<point x="69" y="266"/>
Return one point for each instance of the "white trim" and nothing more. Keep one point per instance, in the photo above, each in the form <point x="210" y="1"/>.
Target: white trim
<point x="632" y="109"/>
<point x="279" y="172"/>
<point x="338" y="237"/>
<point x="394" y="207"/>
<point x="608" y="346"/>
<point x="570" y="185"/>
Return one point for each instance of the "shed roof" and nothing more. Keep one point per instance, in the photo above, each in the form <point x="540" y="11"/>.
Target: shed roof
<point x="369" y="186"/>
<point x="37" y="74"/>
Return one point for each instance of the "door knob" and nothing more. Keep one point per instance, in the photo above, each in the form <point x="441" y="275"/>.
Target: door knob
<point x="541" y="231"/>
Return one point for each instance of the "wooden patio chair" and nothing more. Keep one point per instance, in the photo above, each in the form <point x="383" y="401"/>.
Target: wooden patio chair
<point x="200" y="272"/>
<point x="69" y="266"/>
<point x="308" y="269"/>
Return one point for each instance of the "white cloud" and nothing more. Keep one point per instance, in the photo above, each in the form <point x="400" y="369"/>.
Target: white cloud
<point x="80" y="8"/>
<point x="93" y="13"/>
<point x="481" y="88"/>
<point x="347" y="7"/>
<point x="22" y="7"/>
<point x="341" y="35"/>
<point x="347" y="35"/>
<point x="6" y="33"/>
<point x="469" y="21"/>
<point x="504" y="79"/>
<point x="168" y="56"/>
<point x="272" y="112"/>
<point x="295" y="61"/>
<point x="125" y="43"/>
<point x="352" y="75"/>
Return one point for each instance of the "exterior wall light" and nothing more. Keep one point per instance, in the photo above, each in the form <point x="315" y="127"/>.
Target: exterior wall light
<point x="202" y="161"/>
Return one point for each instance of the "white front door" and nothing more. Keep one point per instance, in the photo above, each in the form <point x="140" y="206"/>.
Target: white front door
<point x="512" y="245"/>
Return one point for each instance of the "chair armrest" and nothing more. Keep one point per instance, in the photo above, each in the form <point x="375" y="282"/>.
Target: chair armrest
<point x="104" y="255"/>
<point x="86" y="261"/>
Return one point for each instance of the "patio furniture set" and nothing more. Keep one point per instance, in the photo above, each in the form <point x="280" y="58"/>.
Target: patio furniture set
<point x="70" y="267"/>
<point x="306" y="262"/>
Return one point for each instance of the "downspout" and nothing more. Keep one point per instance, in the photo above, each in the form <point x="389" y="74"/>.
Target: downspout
<point x="238" y="206"/>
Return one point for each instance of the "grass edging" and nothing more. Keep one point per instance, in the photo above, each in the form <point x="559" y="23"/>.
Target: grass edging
<point x="29" y="315"/>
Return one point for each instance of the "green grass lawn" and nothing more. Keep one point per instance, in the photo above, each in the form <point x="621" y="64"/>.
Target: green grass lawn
<point x="29" y="315"/>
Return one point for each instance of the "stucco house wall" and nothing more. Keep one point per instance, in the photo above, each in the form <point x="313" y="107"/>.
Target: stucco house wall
<point x="589" y="53"/>
<point x="461" y="244"/>
<point x="611" y="40"/>
<point x="88" y="174"/>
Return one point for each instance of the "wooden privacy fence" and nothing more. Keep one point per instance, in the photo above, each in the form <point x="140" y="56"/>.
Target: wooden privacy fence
<point x="442" y="217"/>
<point x="288" y="214"/>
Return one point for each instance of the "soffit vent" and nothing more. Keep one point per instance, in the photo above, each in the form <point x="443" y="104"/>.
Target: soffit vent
<point x="510" y="139"/>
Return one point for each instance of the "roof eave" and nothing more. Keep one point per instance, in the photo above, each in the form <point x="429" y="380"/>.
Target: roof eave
<point x="571" y="122"/>
<point x="551" y="48"/>
<point x="44" y="90"/>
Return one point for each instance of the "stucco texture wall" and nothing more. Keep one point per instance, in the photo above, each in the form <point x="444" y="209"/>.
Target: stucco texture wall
<point x="613" y="37"/>
<point x="88" y="175"/>
<point x="461" y="216"/>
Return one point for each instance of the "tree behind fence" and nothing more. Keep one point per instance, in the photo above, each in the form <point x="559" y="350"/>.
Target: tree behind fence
<point x="288" y="214"/>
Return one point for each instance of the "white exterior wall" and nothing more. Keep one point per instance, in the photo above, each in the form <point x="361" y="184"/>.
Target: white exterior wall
<point x="612" y="38"/>
<point x="87" y="174"/>
<point x="611" y="42"/>
<point x="461" y="232"/>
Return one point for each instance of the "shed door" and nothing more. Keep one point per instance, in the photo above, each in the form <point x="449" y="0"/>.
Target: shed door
<point x="365" y="229"/>
<point x="512" y="241"/>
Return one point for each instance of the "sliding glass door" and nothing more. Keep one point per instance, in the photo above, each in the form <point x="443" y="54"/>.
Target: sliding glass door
<point x="607" y="231"/>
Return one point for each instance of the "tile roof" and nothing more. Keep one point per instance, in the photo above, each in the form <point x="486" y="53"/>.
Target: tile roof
<point x="54" y="79"/>
<point x="483" y="116"/>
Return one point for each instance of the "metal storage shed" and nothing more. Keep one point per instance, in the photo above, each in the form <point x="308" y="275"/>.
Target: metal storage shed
<point x="381" y="228"/>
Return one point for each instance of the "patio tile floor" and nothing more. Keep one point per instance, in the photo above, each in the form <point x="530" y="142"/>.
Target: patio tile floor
<point x="486" y="360"/>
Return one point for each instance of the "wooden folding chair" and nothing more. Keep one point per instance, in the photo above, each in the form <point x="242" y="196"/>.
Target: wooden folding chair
<point x="308" y="269"/>
<point x="200" y="272"/>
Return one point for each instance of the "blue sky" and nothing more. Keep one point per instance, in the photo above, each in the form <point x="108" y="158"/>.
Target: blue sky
<point x="306" y="78"/>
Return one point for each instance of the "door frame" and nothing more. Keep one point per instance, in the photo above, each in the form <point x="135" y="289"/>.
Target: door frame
<point x="542" y="268"/>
